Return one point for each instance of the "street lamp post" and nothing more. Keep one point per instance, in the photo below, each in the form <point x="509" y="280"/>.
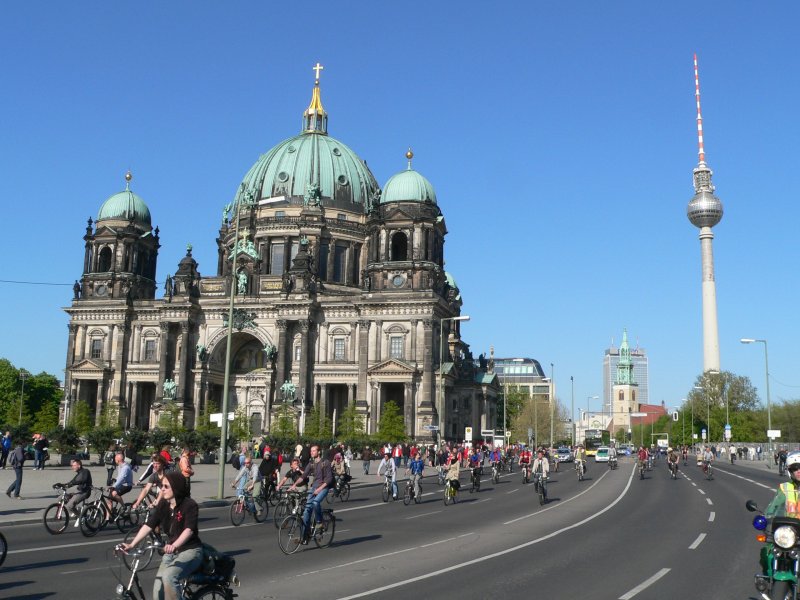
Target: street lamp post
<point x="766" y="367"/>
<point x="572" y="410"/>
<point x="23" y="375"/>
<point x="440" y="407"/>
<point x="550" y="394"/>
<point x="588" y="398"/>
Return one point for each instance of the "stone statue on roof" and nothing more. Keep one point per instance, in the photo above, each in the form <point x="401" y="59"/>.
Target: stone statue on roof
<point x="313" y="195"/>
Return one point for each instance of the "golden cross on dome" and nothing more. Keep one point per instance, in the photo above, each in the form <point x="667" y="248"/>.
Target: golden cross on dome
<point x="318" y="67"/>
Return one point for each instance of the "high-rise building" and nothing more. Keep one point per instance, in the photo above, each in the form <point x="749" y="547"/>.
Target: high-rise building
<point x="705" y="211"/>
<point x="640" y="373"/>
<point x="525" y="374"/>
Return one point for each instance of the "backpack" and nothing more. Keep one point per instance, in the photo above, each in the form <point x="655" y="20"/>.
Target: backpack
<point x="14" y="459"/>
<point x="235" y="462"/>
<point x="217" y="564"/>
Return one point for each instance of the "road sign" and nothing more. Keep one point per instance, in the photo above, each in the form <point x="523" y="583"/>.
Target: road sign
<point x="430" y="427"/>
<point x="217" y="418"/>
<point x="638" y="414"/>
<point x="530" y="432"/>
<point x="467" y="434"/>
<point x="773" y="433"/>
<point x="487" y="432"/>
<point x="703" y="432"/>
<point x="675" y="415"/>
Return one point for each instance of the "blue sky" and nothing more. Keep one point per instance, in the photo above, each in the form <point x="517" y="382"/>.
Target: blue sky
<point x="560" y="138"/>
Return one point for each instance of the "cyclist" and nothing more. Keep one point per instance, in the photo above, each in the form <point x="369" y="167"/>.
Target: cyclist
<point x="82" y="479"/>
<point x="340" y="472"/>
<point x="781" y="460"/>
<point x="475" y="460"/>
<point x="390" y="467"/>
<point x="541" y="465"/>
<point x="246" y="479"/>
<point x="525" y="460"/>
<point x="672" y="459"/>
<point x="154" y="481"/>
<point x="295" y="474"/>
<point x="177" y="516"/>
<point x="708" y="458"/>
<point x="453" y="471"/>
<point x="323" y="481"/>
<point x="415" y="468"/>
<point x="495" y="458"/>
<point x="124" y="481"/>
<point x="642" y="457"/>
<point x="685" y="453"/>
<point x="580" y="457"/>
<point x="612" y="453"/>
<point x="269" y="467"/>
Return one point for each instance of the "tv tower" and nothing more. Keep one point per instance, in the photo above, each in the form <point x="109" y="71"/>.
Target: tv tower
<point x="705" y="211"/>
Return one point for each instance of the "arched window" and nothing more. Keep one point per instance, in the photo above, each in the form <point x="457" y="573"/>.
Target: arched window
<point x="633" y="395"/>
<point x="621" y="395"/>
<point x="399" y="246"/>
<point x="104" y="262"/>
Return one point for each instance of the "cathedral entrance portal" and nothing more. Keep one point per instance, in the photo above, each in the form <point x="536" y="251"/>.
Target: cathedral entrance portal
<point x="393" y="392"/>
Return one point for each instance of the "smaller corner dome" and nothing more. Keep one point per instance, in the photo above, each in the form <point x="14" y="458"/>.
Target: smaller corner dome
<point x="408" y="185"/>
<point x="125" y="206"/>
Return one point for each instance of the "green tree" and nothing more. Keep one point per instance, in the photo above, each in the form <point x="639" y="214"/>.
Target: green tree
<point x="513" y="399"/>
<point x="391" y="427"/>
<point x="46" y="419"/>
<point x="312" y="428"/>
<point x="284" y="426"/>
<point x="718" y="397"/>
<point x="351" y="425"/>
<point x="66" y="439"/>
<point x="170" y="419"/>
<point x="81" y="417"/>
<point x="159" y="438"/>
<point x="239" y="428"/>
<point x="101" y="439"/>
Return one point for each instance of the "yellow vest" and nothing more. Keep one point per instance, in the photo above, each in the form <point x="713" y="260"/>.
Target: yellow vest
<point x="790" y="491"/>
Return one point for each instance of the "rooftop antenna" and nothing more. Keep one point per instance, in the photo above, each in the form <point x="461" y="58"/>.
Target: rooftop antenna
<point x="701" y="153"/>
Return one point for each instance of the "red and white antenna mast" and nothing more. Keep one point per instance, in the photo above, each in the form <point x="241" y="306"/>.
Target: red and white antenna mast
<point x="701" y="153"/>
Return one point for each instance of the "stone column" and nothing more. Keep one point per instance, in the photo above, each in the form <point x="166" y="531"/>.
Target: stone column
<point x="323" y="343"/>
<point x="363" y="364"/>
<point x="82" y="332"/>
<point x="350" y="394"/>
<point x="182" y="364"/>
<point x="108" y="342"/>
<point x="348" y="271"/>
<point x="287" y="254"/>
<point x="378" y="340"/>
<point x="412" y="357"/>
<point x="73" y="331"/>
<point x="282" y="359"/>
<point x="323" y="400"/>
<point x="101" y="392"/>
<point x="304" y="374"/>
<point x="408" y="409"/>
<point x="428" y="388"/>
<point x="331" y="255"/>
<point x="133" y="411"/>
<point x="137" y="343"/>
<point x="351" y="344"/>
<point x="162" y="362"/>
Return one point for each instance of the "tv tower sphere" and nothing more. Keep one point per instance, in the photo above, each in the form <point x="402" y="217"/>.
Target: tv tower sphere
<point x="704" y="209"/>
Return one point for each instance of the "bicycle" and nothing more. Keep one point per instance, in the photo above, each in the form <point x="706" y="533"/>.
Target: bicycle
<point x="475" y="480"/>
<point x="153" y="539"/>
<point x="211" y="582"/>
<point x="708" y="471"/>
<point x="411" y="494"/>
<point x="269" y="491"/>
<point x="97" y="515"/>
<point x="641" y="469"/>
<point x="495" y="473"/>
<point x="612" y="464"/>
<point x="442" y="472"/>
<point x="56" y="516"/>
<point x="291" y="533"/>
<point x="509" y="464"/>
<point x="540" y="486"/>
<point x="340" y="490"/>
<point x="288" y="503"/>
<point x="673" y="469"/>
<point x="247" y="503"/>
<point x="580" y="469"/>
<point x="450" y="493"/>
<point x="526" y="473"/>
<point x="386" y="493"/>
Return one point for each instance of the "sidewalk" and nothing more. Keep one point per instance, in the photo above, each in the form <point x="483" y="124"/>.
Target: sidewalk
<point x="38" y="493"/>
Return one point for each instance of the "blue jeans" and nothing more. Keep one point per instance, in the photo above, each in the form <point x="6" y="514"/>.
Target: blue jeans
<point x="16" y="485"/>
<point x="175" y="568"/>
<point x="314" y="503"/>
<point x="38" y="459"/>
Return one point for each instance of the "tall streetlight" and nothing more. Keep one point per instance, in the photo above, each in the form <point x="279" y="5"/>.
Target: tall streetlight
<point x="439" y="407"/>
<point x="23" y="375"/>
<point x="588" y="399"/>
<point x="550" y="394"/>
<point x="572" y="410"/>
<point x="766" y="366"/>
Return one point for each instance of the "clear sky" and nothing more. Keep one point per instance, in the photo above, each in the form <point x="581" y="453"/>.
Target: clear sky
<point x="559" y="136"/>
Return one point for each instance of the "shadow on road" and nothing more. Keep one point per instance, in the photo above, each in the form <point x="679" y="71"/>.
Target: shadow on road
<point x="356" y="540"/>
<point x="45" y="564"/>
<point x="20" y="511"/>
<point x="8" y="586"/>
<point x="35" y="596"/>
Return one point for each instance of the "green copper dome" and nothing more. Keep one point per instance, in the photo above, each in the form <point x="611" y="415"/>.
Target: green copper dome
<point x="311" y="158"/>
<point x="125" y="206"/>
<point x="408" y="185"/>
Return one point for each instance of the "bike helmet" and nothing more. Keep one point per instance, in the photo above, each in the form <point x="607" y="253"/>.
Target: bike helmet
<point x="792" y="459"/>
<point x="669" y="449"/>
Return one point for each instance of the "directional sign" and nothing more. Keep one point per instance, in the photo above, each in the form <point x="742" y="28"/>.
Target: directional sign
<point x="217" y="418"/>
<point x="467" y="434"/>
<point x="638" y="414"/>
<point x="773" y="433"/>
<point x="530" y="432"/>
<point x="487" y="432"/>
<point x="675" y="415"/>
<point x="430" y="427"/>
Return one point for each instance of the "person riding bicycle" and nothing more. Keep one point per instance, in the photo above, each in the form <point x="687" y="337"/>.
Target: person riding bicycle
<point x="124" y="481"/>
<point x="685" y="453"/>
<point x="177" y="516"/>
<point x="82" y="479"/>
<point x="453" y="471"/>
<point x="541" y="465"/>
<point x="612" y="453"/>
<point x="495" y="458"/>
<point x="415" y="468"/>
<point x="340" y="472"/>
<point x="154" y="481"/>
<point x="641" y="457"/>
<point x="475" y="461"/>
<point x="525" y="460"/>
<point x="323" y="481"/>
<point x="296" y="475"/>
<point x="672" y="459"/>
<point x="390" y="467"/>
<point x="781" y="459"/>
<point x="269" y="468"/>
<point x="708" y="458"/>
<point x="247" y="478"/>
<point x="580" y="457"/>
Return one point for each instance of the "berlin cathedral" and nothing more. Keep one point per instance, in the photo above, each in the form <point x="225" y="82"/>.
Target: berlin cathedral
<point x="338" y="288"/>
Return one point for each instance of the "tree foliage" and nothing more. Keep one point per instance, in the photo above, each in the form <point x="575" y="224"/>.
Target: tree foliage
<point x="46" y="419"/>
<point x="81" y="417"/>
<point x="391" y="427"/>
<point x="40" y="391"/>
<point x="284" y="426"/>
<point x="351" y="425"/>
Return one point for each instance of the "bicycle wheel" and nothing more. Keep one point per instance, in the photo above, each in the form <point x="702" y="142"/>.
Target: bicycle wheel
<point x="3" y="549"/>
<point x="211" y="592"/>
<point x="447" y="495"/>
<point x="407" y="495"/>
<point x="290" y="534"/>
<point x="238" y="512"/>
<point x="262" y="508"/>
<point x="55" y="518"/>
<point x="272" y="495"/>
<point x="385" y="493"/>
<point x="542" y="495"/>
<point x="344" y="494"/>
<point x="331" y="497"/>
<point x="324" y="537"/>
<point x="280" y="512"/>
<point x="128" y="519"/>
<point x="144" y="559"/>
<point x="92" y="520"/>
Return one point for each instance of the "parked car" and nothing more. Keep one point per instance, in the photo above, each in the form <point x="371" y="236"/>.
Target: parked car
<point x="564" y="454"/>
<point x="602" y="454"/>
<point x="30" y="454"/>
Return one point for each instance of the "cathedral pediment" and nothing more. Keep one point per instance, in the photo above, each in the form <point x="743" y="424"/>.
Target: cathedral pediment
<point x="393" y="366"/>
<point x="398" y="214"/>
<point x="87" y="365"/>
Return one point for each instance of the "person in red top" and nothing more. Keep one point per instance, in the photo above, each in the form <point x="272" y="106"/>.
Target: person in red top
<point x="642" y="455"/>
<point x="525" y="459"/>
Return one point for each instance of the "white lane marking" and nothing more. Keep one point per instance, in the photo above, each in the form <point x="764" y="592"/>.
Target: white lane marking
<point x="710" y="503"/>
<point x="481" y="559"/>
<point x="694" y="484"/>
<point x="424" y="515"/>
<point x="702" y="492"/>
<point x="538" y="512"/>
<point x="711" y="516"/>
<point x="698" y="541"/>
<point x="355" y="562"/>
<point x="83" y="570"/>
<point x="644" y="585"/>
<point x="748" y="480"/>
<point x="512" y="491"/>
<point x="481" y="500"/>
<point x="439" y="542"/>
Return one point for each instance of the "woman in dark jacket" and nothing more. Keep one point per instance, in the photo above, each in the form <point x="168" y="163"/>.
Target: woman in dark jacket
<point x="176" y="514"/>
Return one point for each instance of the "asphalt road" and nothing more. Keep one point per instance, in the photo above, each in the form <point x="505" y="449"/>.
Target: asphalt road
<point x="609" y="536"/>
